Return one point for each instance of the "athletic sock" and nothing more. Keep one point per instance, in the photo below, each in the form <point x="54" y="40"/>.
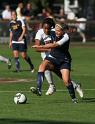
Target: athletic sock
<point x="17" y="63"/>
<point x="49" y="78"/>
<point x="40" y="80"/>
<point x="28" y="60"/>
<point x="4" y="59"/>
<point x="74" y="84"/>
<point x="71" y="91"/>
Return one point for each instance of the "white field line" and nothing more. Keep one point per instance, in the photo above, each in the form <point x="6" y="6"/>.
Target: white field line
<point x="43" y="90"/>
<point x="16" y="80"/>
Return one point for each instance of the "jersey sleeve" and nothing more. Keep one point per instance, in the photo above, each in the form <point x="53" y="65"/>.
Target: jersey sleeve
<point x="38" y="36"/>
<point x="22" y="22"/>
<point x="63" y="40"/>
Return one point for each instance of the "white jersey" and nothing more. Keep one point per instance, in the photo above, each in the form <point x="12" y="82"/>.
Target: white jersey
<point x="81" y="26"/>
<point x="44" y="39"/>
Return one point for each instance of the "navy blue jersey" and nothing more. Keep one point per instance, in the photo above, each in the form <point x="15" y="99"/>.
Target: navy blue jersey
<point x="61" y="53"/>
<point x="16" y="29"/>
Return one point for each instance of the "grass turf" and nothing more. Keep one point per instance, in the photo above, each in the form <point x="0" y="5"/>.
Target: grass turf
<point x="55" y="109"/>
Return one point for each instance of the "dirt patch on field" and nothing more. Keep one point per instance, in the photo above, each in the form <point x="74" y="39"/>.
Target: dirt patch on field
<point x="12" y="80"/>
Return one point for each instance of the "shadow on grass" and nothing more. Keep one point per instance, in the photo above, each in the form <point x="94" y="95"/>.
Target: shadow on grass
<point x="92" y="99"/>
<point x="19" y="121"/>
<point x="24" y="70"/>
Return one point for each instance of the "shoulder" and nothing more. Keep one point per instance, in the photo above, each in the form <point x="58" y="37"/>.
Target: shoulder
<point x="40" y="32"/>
<point x="11" y="22"/>
<point x="21" y="21"/>
<point x="66" y="35"/>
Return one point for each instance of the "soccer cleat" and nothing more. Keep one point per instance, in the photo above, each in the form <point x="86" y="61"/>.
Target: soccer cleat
<point x="74" y="100"/>
<point x="9" y="64"/>
<point x="35" y="91"/>
<point x="79" y="90"/>
<point x="51" y="90"/>
<point x="32" y="69"/>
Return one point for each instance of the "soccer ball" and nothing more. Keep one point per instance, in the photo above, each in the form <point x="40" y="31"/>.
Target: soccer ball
<point x="20" y="98"/>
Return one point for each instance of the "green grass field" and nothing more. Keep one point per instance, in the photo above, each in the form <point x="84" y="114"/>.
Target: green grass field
<point x="55" y="109"/>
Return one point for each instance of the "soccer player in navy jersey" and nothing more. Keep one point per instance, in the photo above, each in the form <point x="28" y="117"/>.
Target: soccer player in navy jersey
<point x="59" y="60"/>
<point x="18" y="41"/>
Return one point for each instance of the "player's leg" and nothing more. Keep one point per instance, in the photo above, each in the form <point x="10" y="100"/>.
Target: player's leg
<point x="16" y="57"/>
<point x="6" y="60"/>
<point x="40" y="78"/>
<point x="82" y="34"/>
<point x="15" y="48"/>
<point x="23" y="50"/>
<point x="66" y="78"/>
<point x="49" y="78"/>
<point x="77" y="87"/>
<point x="28" y="60"/>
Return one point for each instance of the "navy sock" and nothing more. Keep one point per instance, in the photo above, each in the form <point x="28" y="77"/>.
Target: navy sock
<point x="40" y="80"/>
<point x="71" y="90"/>
<point x="28" y="60"/>
<point x="17" y="63"/>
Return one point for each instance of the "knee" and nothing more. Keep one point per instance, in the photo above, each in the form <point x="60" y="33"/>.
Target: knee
<point x="41" y="68"/>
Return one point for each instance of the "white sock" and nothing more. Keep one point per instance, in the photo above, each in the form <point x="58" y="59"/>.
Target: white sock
<point x="49" y="77"/>
<point x="4" y="59"/>
<point x="74" y="84"/>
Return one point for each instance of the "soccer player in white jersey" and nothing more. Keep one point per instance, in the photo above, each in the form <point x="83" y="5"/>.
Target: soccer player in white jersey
<point x="43" y="36"/>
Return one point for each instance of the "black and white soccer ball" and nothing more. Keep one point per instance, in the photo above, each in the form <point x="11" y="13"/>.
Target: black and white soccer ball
<point x="20" y="98"/>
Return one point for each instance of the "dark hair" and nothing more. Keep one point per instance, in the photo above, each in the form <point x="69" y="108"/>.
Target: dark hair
<point x="49" y="21"/>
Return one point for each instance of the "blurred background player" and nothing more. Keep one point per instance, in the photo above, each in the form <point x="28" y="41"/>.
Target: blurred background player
<point x="18" y="41"/>
<point x="6" y="60"/>
<point x="19" y="11"/>
<point x="81" y="27"/>
<point x="6" y="14"/>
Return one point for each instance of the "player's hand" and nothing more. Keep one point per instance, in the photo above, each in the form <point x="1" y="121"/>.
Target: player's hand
<point x="36" y="46"/>
<point x="10" y="45"/>
<point x="20" y="39"/>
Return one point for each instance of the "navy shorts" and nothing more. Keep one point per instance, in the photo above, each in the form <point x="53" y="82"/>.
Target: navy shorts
<point x="59" y="64"/>
<point x="19" y="47"/>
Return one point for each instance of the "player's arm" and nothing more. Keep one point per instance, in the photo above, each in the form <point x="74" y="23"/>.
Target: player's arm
<point x="11" y="35"/>
<point x="37" y="48"/>
<point x="23" y="30"/>
<point x="23" y="33"/>
<point x="55" y="44"/>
